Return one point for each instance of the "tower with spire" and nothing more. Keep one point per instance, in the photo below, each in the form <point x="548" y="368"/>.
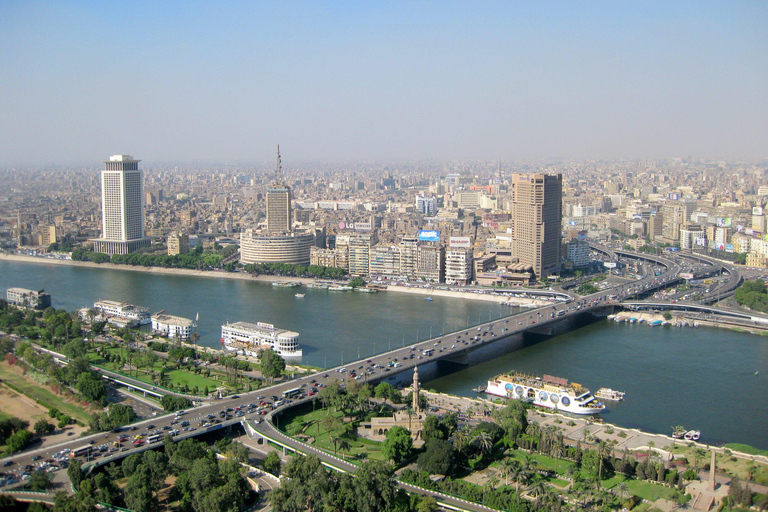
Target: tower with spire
<point x="416" y="390"/>
<point x="279" y="202"/>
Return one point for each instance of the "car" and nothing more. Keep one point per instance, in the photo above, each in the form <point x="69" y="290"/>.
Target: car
<point x="37" y="457"/>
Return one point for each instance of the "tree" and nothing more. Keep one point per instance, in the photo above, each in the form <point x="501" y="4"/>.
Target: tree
<point x="91" y="386"/>
<point x="42" y="427"/>
<point x="75" y="473"/>
<point x="174" y="403"/>
<point x="272" y="463"/>
<point x="18" y="441"/>
<point x="427" y="504"/>
<point x="398" y="444"/>
<point x="40" y="480"/>
<point x="438" y="457"/>
<point x="272" y="365"/>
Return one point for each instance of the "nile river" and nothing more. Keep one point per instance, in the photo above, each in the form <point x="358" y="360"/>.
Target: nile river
<point x="707" y="379"/>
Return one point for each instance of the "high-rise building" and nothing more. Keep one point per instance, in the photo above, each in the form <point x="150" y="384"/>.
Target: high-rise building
<point x="536" y="221"/>
<point x="178" y="243"/>
<point x="426" y="205"/>
<point x="122" y="207"/>
<point x="458" y="265"/>
<point x="278" y="202"/>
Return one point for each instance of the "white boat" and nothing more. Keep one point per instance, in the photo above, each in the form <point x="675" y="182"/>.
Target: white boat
<point x="126" y="312"/>
<point x="299" y="295"/>
<point x="692" y="435"/>
<point x="247" y="339"/>
<point x="547" y="391"/>
<point x="340" y="288"/>
<point x="609" y="394"/>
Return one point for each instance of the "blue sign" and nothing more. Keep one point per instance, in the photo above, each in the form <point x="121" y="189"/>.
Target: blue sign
<point x="573" y="223"/>
<point x="429" y="235"/>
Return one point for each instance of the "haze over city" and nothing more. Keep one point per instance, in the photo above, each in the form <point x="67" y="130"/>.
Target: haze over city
<point x="179" y="82"/>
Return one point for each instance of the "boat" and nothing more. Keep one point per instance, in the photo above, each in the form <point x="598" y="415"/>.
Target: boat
<point x="655" y="323"/>
<point x="340" y="288"/>
<point x="123" y="313"/>
<point x="479" y="389"/>
<point x="428" y="298"/>
<point x="547" y="391"/>
<point x="286" y="284"/>
<point x="248" y="339"/>
<point x="678" y="432"/>
<point x="319" y="286"/>
<point x="609" y="394"/>
<point x="299" y="295"/>
<point x="692" y="435"/>
<point x="365" y="289"/>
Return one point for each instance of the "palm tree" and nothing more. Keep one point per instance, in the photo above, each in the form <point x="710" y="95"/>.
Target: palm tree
<point x="484" y="441"/>
<point x="651" y="446"/>
<point x="623" y="490"/>
<point x="507" y="466"/>
<point x="603" y="451"/>
<point x="538" y="488"/>
<point x="344" y="446"/>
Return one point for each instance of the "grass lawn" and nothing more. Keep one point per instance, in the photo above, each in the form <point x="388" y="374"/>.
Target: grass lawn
<point x="177" y="377"/>
<point x="646" y="490"/>
<point x="308" y="424"/>
<point x="545" y="462"/>
<point x="726" y="463"/>
<point x="42" y="394"/>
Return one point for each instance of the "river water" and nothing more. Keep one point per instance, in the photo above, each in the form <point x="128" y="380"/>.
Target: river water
<point x="707" y="379"/>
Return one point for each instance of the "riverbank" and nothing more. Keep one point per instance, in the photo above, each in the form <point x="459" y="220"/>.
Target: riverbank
<point x="266" y="278"/>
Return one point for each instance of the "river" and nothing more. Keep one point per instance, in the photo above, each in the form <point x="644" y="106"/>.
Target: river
<point x="707" y="379"/>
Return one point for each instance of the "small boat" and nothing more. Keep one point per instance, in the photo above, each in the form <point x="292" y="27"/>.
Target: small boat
<point x="479" y="389"/>
<point x="692" y="435"/>
<point x="299" y="295"/>
<point x="609" y="394"/>
<point x="428" y="298"/>
<point x="678" y="432"/>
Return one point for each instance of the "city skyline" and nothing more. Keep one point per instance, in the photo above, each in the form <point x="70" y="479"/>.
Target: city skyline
<point x="383" y="83"/>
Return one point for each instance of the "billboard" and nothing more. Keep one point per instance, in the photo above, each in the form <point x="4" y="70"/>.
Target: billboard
<point x="609" y="264"/>
<point x="357" y="226"/>
<point x="757" y="210"/>
<point x="728" y="247"/>
<point x="686" y="275"/>
<point x="674" y="196"/>
<point x="429" y="235"/>
<point x="723" y="222"/>
<point x="462" y="242"/>
<point x="573" y="223"/>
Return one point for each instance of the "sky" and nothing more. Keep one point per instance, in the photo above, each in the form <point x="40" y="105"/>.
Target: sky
<point x="225" y="82"/>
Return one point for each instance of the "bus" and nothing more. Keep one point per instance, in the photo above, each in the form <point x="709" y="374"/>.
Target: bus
<point x="291" y="393"/>
<point x="427" y="352"/>
<point x="81" y="451"/>
<point x="153" y="439"/>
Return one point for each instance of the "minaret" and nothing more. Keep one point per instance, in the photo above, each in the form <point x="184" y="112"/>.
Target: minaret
<point x="416" y="401"/>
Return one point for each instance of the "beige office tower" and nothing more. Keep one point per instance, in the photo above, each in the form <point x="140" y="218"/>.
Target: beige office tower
<point x="122" y="208"/>
<point x="536" y="221"/>
<point x="279" y="203"/>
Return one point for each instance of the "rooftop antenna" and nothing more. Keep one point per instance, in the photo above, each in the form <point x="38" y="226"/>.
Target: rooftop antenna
<point x="279" y="170"/>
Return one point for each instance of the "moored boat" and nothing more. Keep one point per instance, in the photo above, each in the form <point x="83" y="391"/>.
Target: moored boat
<point x="610" y="394"/>
<point x="547" y="391"/>
<point x="299" y="295"/>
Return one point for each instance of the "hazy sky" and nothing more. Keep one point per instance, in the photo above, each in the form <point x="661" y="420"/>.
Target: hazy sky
<point x="386" y="80"/>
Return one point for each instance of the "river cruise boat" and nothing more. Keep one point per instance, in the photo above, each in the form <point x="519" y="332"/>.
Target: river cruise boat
<point x="609" y="394"/>
<point x="692" y="435"/>
<point x="547" y="391"/>
<point x="247" y="339"/>
<point x="286" y="284"/>
<point x="127" y="313"/>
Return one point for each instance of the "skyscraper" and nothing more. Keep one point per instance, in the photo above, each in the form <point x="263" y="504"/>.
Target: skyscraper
<point x="122" y="207"/>
<point x="537" y="214"/>
<point x="278" y="203"/>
